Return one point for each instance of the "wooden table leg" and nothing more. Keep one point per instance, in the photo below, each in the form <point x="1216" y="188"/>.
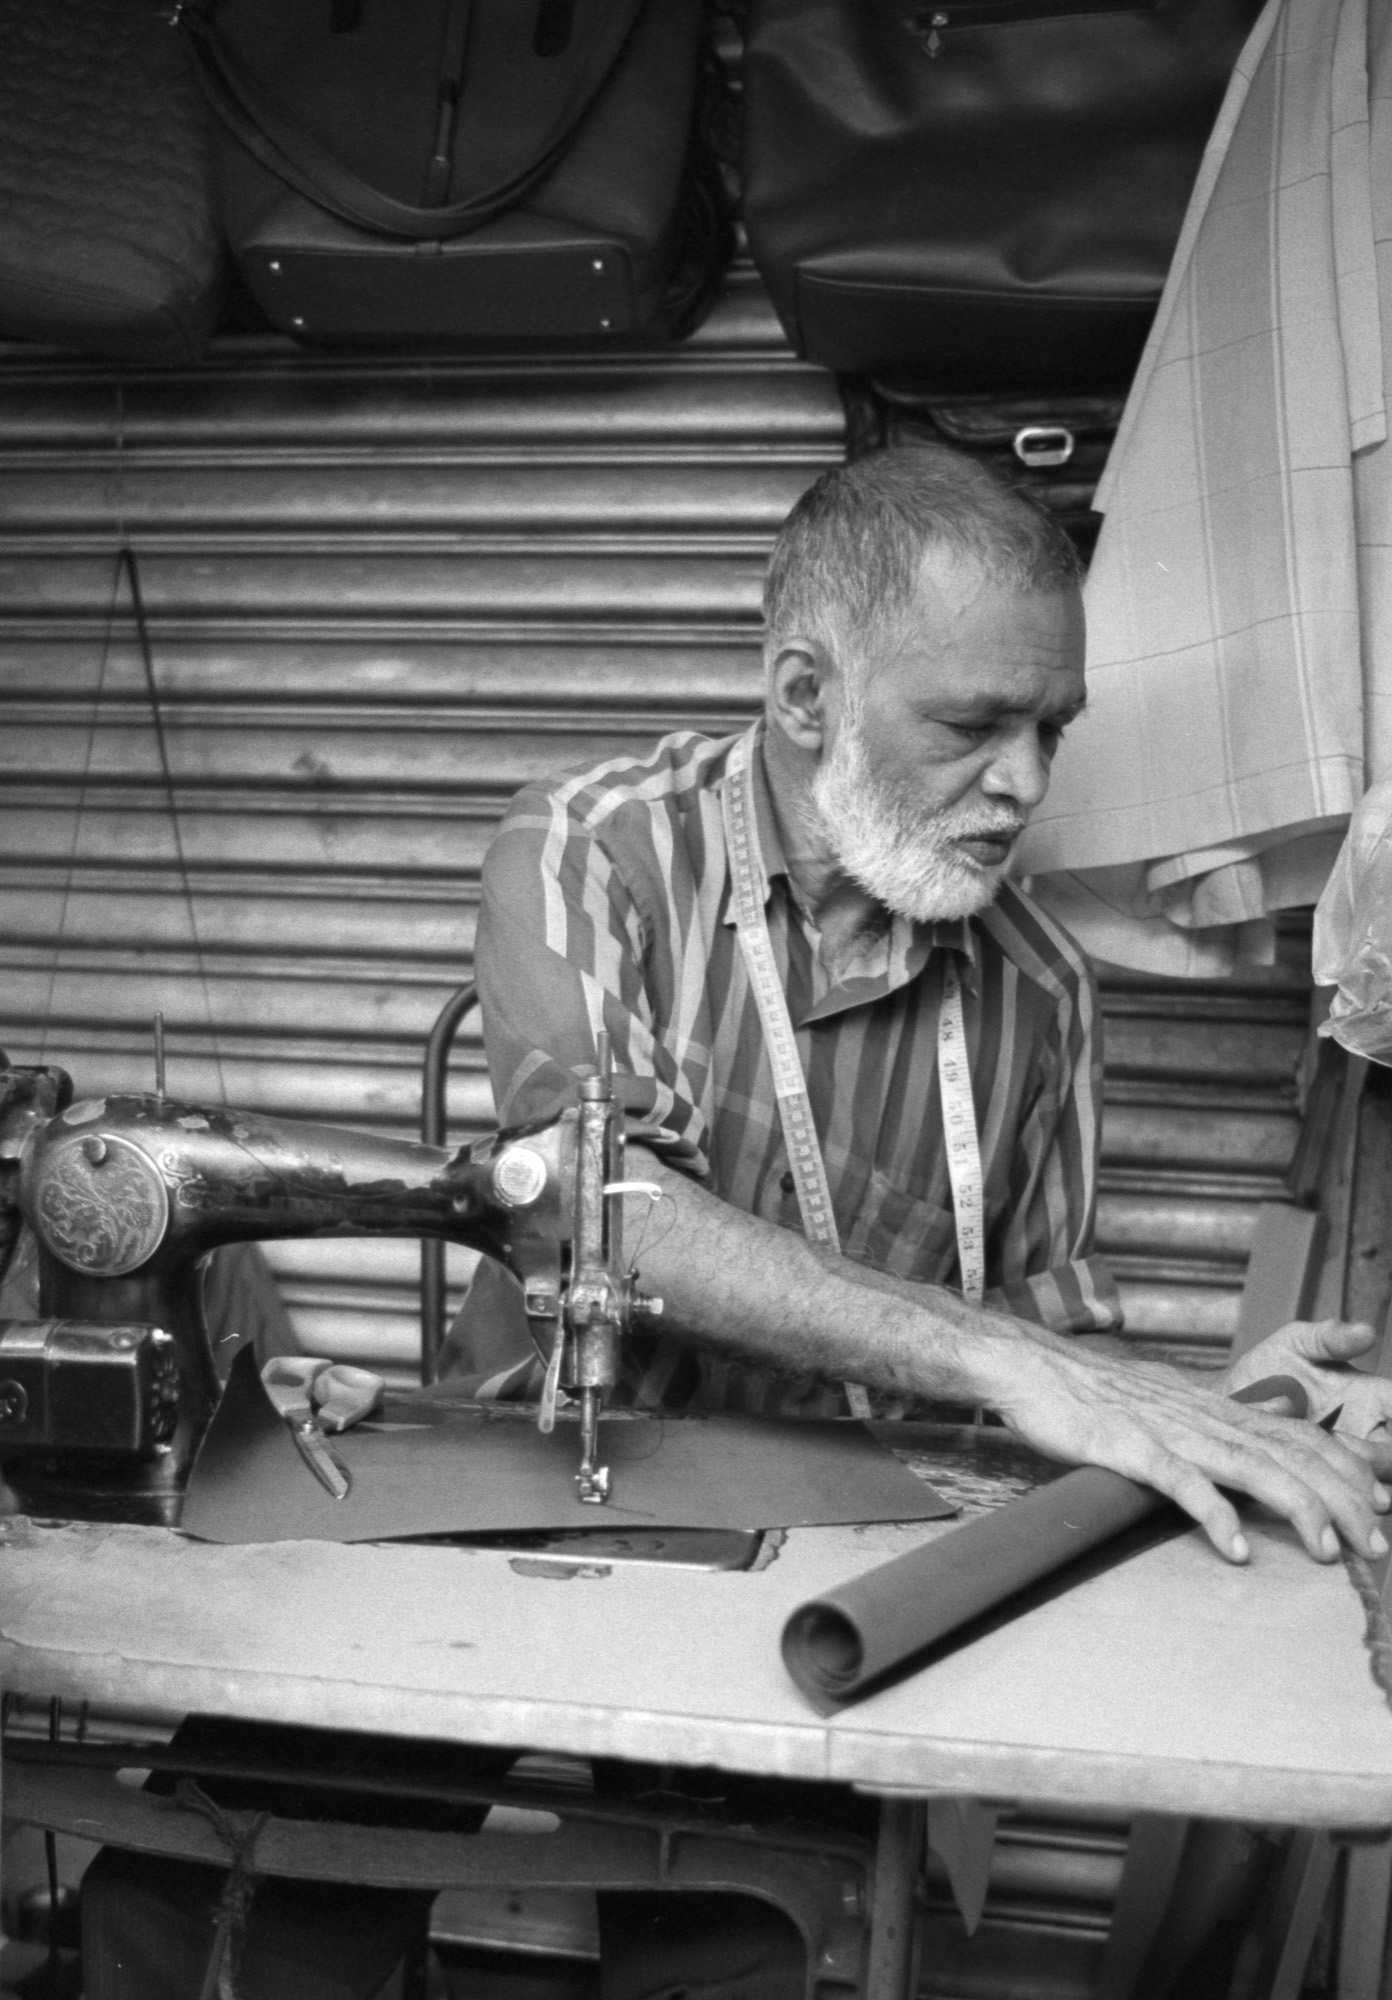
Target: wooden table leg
<point x="1301" y="1897"/>
<point x="1144" y="1895"/>
<point x="1363" y="1930"/>
<point x="893" y="1907"/>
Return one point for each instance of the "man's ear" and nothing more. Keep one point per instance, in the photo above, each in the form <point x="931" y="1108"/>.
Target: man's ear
<point x="797" y="692"/>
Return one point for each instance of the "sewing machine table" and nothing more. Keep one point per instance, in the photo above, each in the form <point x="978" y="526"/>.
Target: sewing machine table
<point x="1171" y="1684"/>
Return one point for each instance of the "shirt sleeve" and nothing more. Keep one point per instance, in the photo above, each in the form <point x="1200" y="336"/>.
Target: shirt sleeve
<point x="561" y="951"/>
<point x="1042" y="1259"/>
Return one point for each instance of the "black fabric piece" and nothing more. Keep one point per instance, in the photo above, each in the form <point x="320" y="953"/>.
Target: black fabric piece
<point x="425" y="1465"/>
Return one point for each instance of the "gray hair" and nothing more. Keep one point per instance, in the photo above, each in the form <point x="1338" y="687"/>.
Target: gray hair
<point x="847" y="560"/>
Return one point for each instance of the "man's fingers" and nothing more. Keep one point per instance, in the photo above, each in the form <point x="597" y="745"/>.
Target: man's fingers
<point x="1312" y="1504"/>
<point x="1318" y="1352"/>
<point x="1376" y="1453"/>
<point x="1287" y="1464"/>
<point x="1199" y="1497"/>
<point x="1188" y="1442"/>
<point x="1133" y="1449"/>
<point x="1331" y="1339"/>
<point x="1314" y="1480"/>
<point x="1277" y="1406"/>
<point x="1318" y="1505"/>
<point x="1294" y="1435"/>
<point x="1347" y="1462"/>
<point x="1367" y="1405"/>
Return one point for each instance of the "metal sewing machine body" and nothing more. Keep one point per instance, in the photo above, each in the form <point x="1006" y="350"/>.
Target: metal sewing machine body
<point x="127" y="1195"/>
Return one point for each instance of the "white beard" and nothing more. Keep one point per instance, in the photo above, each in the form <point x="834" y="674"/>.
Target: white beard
<point x="904" y="858"/>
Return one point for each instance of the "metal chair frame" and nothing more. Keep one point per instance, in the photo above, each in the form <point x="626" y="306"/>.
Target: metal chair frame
<point x="434" y="1123"/>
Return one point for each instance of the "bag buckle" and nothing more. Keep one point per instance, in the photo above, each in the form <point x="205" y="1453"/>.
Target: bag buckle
<point x="1038" y="445"/>
<point x="924" y="28"/>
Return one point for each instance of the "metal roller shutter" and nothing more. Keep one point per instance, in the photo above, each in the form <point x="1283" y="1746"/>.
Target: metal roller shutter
<point x="1202" y="1116"/>
<point x="382" y="593"/>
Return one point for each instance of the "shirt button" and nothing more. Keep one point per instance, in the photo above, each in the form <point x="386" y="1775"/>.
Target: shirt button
<point x="788" y="1184"/>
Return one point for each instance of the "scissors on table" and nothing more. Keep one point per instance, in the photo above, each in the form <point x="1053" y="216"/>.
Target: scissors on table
<point x="316" y="1396"/>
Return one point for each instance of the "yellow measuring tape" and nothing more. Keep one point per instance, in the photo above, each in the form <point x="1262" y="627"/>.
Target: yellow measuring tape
<point x="959" y="1132"/>
<point x="790" y="1085"/>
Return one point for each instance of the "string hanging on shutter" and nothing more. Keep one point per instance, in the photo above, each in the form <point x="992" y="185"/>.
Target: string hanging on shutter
<point x="127" y="571"/>
<point x="126" y="563"/>
<point x="70" y="869"/>
<point x="118" y="487"/>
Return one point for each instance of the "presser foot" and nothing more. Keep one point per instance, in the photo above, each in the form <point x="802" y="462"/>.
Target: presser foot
<point x="591" y="1481"/>
<point x="592" y="1484"/>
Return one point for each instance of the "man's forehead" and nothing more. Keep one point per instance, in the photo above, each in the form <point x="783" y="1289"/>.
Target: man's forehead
<point x="949" y="582"/>
<point x="955" y="589"/>
<point x="965" y="632"/>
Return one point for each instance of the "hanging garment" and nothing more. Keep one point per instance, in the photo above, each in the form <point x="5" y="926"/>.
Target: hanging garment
<point x="1240" y="620"/>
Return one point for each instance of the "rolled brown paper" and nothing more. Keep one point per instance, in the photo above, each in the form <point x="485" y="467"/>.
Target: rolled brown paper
<point x="837" y="1646"/>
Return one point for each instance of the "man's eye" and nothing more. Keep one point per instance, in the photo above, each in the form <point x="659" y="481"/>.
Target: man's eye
<point x="969" y="732"/>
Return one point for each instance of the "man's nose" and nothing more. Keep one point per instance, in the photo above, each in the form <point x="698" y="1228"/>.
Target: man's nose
<point x="1019" y="770"/>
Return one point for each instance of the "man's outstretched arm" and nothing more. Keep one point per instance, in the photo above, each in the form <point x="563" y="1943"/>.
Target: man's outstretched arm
<point x="759" y="1293"/>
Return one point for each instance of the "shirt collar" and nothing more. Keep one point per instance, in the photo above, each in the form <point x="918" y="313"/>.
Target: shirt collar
<point x="908" y="945"/>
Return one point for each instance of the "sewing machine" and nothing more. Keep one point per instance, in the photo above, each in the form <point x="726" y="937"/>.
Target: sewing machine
<point x="127" y="1195"/>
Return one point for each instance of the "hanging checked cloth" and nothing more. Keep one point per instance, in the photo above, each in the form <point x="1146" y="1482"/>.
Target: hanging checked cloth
<point x="1240" y="602"/>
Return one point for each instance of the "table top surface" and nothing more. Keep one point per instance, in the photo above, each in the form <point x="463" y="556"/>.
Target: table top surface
<point x="1170" y="1682"/>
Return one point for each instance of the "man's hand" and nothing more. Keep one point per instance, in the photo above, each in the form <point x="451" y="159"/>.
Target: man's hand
<point x="1317" y="1353"/>
<point x="756" y="1292"/>
<point x="1159" y="1426"/>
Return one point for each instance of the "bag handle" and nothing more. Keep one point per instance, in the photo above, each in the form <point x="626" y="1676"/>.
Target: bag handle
<point x="295" y="156"/>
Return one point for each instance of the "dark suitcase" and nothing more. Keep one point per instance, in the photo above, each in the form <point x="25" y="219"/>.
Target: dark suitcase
<point x="108" y="237"/>
<point x="501" y="170"/>
<point x="983" y="193"/>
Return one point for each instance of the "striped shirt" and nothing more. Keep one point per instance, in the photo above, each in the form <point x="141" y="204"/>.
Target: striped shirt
<point x="607" y="904"/>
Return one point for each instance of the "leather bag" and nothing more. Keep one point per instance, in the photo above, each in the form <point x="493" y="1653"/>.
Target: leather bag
<point x="982" y="193"/>
<point x="467" y="169"/>
<point x="108" y="235"/>
<point x="1053" y="447"/>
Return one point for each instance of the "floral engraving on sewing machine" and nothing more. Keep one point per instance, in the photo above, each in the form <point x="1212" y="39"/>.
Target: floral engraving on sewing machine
<point x="102" y="1206"/>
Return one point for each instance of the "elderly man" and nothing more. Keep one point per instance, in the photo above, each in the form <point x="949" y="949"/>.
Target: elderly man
<point x="923" y="656"/>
